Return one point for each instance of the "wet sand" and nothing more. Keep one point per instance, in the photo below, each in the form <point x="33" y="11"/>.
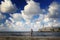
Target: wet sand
<point x="29" y="38"/>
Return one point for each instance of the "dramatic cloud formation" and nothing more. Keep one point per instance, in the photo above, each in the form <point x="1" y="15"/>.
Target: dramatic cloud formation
<point x="22" y="25"/>
<point x="54" y="11"/>
<point x="54" y="14"/>
<point x="31" y="9"/>
<point x="7" y="7"/>
<point x="32" y="17"/>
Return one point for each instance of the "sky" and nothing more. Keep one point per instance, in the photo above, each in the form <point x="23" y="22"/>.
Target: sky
<point x="24" y="15"/>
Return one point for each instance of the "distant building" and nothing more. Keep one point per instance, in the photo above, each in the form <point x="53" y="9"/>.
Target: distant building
<point x="56" y="29"/>
<point x="49" y="29"/>
<point x="46" y="29"/>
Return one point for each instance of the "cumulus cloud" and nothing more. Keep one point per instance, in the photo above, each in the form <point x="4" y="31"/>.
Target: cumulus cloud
<point x="32" y="8"/>
<point x="7" y="7"/>
<point x="54" y="11"/>
<point x="22" y="25"/>
<point x="22" y="21"/>
<point x="17" y="17"/>
<point x="17" y="25"/>
<point x="53" y="16"/>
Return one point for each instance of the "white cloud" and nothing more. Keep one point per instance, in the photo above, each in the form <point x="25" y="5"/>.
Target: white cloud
<point x="54" y="10"/>
<point x="32" y="8"/>
<point x="16" y="17"/>
<point x="22" y="21"/>
<point x="24" y="26"/>
<point x="17" y="25"/>
<point x="7" y="6"/>
<point x="53" y="16"/>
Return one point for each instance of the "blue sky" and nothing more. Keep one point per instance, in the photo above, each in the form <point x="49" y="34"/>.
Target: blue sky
<point x="21" y="3"/>
<point x="23" y="15"/>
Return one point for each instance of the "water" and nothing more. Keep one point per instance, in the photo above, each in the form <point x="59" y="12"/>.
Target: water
<point x="57" y="34"/>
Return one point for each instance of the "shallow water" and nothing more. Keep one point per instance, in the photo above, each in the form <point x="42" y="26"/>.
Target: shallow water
<point x="29" y="34"/>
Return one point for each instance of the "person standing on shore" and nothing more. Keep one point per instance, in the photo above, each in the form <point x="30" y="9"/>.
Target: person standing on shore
<point x="31" y="32"/>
